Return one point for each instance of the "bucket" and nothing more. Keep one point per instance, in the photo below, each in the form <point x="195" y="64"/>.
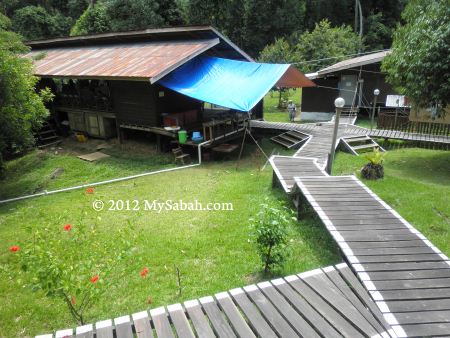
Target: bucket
<point x="182" y="136"/>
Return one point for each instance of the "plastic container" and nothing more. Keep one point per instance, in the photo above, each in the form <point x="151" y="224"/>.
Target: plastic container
<point x="197" y="137"/>
<point x="182" y="136"/>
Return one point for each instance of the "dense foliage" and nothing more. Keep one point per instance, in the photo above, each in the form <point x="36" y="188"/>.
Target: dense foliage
<point x="325" y="43"/>
<point x="251" y="24"/>
<point x="22" y="110"/>
<point x="419" y="63"/>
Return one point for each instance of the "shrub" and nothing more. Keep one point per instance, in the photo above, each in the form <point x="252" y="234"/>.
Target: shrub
<point x="374" y="169"/>
<point x="270" y="234"/>
<point x="72" y="262"/>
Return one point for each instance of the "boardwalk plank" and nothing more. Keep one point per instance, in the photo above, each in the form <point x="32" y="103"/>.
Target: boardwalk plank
<point x="179" y="321"/>
<point x="357" y="287"/>
<point x="161" y="323"/>
<point x="217" y="318"/>
<point x="85" y="331"/>
<point x="142" y="325"/>
<point x="404" y="266"/>
<point x="304" y="308"/>
<point x="256" y="321"/>
<point x="410" y="294"/>
<point x="393" y="251"/>
<point x="318" y="281"/>
<point x="416" y="305"/>
<point x="123" y="327"/>
<point x="409" y="274"/>
<point x="342" y="285"/>
<point x="423" y="317"/>
<point x="301" y="326"/>
<point x="413" y="284"/>
<point x="199" y="320"/>
<point x="389" y="244"/>
<point x="422" y="330"/>
<point x="237" y="321"/>
<point x="104" y="329"/>
<point x="270" y="312"/>
<point x="400" y="258"/>
<point x="340" y="323"/>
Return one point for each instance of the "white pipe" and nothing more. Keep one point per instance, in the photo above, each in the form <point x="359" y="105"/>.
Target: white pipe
<point x="200" y="151"/>
<point x="45" y="192"/>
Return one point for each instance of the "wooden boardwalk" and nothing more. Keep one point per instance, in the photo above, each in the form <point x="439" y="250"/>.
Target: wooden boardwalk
<point x="328" y="302"/>
<point x="407" y="276"/>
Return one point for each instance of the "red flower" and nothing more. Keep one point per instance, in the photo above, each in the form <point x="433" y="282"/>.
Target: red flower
<point x="95" y="279"/>
<point x="90" y="190"/>
<point x="144" y="272"/>
<point x="149" y="300"/>
<point x="67" y="227"/>
<point x="14" y="248"/>
<point x="73" y="300"/>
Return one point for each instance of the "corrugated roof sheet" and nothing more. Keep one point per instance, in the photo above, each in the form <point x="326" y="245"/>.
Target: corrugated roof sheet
<point x="133" y="61"/>
<point x="355" y="62"/>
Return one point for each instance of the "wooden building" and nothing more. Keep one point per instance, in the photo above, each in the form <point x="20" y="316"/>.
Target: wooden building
<point x="354" y="80"/>
<point x="105" y="84"/>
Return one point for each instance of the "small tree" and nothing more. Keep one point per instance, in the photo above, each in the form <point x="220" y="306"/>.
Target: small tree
<point x="22" y="110"/>
<point x="270" y="234"/>
<point x="419" y="63"/>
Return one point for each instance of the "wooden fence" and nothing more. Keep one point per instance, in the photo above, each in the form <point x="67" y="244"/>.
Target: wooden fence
<point x="392" y="120"/>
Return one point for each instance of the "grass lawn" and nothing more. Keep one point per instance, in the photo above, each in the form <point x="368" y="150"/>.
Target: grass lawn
<point x="211" y="249"/>
<point x="32" y="173"/>
<point x="416" y="184"/>
<point x="365" y="122"/>
<point x="272" y="113"/>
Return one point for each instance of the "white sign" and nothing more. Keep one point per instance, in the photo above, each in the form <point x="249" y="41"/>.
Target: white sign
<point x="396" y="101"/>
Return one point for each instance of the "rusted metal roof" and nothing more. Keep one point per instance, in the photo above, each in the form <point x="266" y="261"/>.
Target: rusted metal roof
<point x="355" y="62"/>
<point x="132" y="61"/>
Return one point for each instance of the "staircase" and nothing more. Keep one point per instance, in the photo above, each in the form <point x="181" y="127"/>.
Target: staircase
<point x="47" y="136"/>
<point x="360" y="144"/>
<point x="290" y="139"/>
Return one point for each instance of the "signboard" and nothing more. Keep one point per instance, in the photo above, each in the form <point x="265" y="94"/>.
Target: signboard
<point x="396" y="101"/>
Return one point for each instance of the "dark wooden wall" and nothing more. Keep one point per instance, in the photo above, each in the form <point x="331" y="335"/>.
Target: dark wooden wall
<point x="317" y="99"/>
<point x="173" y="102"/>
<point x="134" y="102"/>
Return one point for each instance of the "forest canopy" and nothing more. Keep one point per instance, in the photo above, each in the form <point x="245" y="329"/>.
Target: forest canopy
<point x="251" y="24"/>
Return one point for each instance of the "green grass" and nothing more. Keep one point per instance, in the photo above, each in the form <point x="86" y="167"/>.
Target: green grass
<point x="210" y="248"/>
<point x="365" y="122"/>
<point x="271" y="111"/>
<point x="32" y="173"/>
<point x="416" y="184"/>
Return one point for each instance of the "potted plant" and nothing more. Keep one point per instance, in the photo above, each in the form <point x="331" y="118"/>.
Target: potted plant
<point x="374" y="169"/>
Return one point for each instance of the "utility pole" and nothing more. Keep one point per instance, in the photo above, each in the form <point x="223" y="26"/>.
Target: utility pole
<point x="358" y="15"/>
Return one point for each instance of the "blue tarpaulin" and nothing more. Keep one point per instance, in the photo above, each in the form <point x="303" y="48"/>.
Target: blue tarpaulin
<point x="229" y="83"/>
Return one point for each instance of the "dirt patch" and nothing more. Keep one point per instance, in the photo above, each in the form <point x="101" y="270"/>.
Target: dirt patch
<point x="71" y="146"/>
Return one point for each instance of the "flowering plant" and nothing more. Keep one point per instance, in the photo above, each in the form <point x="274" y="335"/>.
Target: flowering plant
<point x="73" y="262"/>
